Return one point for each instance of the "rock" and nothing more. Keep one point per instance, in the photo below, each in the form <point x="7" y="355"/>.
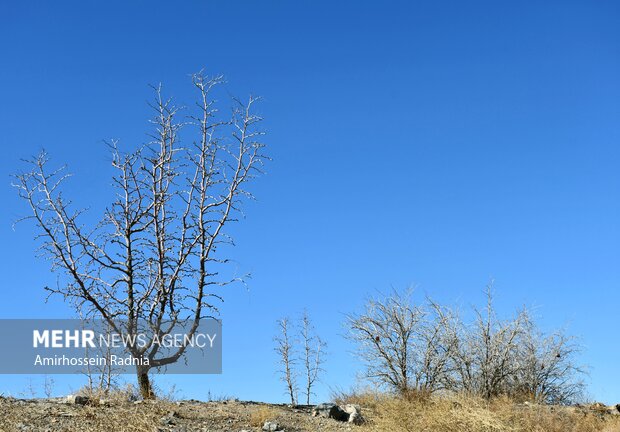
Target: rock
<point x="356" y="419"/>
<point x="332" y="411"/>
<point x="271" y="426"/>
<point x="347" y="413"/>
<point x="613" y="410"/>
<point x="355" y="414"/>
<point x="323" y="410"/>
<point x="77" y="400"/>
<point x="168" y="419"/>
<point x="602" y="409"/>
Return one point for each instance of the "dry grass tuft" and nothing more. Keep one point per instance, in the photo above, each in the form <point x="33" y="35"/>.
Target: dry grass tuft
<point x="364" y="397"/>
<point x="264" y="413"/>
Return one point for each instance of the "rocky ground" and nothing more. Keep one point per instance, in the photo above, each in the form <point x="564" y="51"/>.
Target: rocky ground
<point x="62" y="414"/>
<point x="78" y="414"/>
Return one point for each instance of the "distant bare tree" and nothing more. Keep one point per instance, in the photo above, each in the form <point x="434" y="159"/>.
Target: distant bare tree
<point x="547" y="370"/>
<point x="154" y="256"/>
<point x="287" y="358"/>
<point x="513" y="357"/>
<point x="385" y="334"/>
<point x="436" y="343"/>
<point x="485" y="358"/>
<point x="405" y="346"/>
<point x="313" y="353"/>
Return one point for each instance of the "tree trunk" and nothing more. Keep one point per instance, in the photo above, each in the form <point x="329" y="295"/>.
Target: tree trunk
<point x="144" y="383"/>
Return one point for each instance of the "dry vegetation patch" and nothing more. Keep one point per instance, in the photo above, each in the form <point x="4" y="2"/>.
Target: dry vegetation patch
<point x="416" y="413"/>
<point x="473" y="414"/>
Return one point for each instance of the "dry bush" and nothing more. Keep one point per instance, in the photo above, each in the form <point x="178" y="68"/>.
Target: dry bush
<point x="115" y="394"/>
<point x="259" y="416"/>
<point x="428" y="347"/>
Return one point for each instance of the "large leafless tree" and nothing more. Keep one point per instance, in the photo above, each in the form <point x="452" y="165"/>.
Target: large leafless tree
<point x="155" y="255"/>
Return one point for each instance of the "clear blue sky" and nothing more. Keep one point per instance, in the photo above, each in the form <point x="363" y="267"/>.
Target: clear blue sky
<point x="435" y="143"/>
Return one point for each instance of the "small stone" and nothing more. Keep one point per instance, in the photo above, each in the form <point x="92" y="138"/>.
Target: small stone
<point x="168" y="419"/>
<point x="77" y="400"/>
<point x="271" y="426"/>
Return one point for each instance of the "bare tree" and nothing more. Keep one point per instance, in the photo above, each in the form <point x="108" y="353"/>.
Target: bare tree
<point x="287" y="357"/>
<point x="513" y="357"/>
<point x="153" y="258"/>
<point x="547" y="370"/>
<point x="312" y="355"/>
<point x="385" y="334"/>
<point x="485" y="358"/>
<point x="406" y="346"/>
<point x="436" y="343"/>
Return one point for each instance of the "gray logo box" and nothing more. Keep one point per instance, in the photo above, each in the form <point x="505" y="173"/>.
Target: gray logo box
<point x="72" y="346"/>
